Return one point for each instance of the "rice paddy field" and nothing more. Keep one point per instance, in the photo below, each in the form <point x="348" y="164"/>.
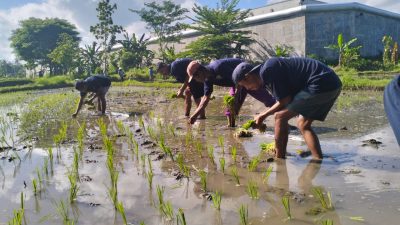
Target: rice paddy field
<point x="142" y="163"/>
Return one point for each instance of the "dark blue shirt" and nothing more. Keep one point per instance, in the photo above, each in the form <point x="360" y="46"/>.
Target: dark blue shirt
<point x="391" y="102"/>
<point x="95" y="83"/>
<point x="221" y="74"/>
<point x="288" y="76"/>
<point x="178" y="69"/>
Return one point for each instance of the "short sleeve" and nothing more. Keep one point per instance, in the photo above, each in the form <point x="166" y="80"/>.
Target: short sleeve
<point x="208" y="87"/>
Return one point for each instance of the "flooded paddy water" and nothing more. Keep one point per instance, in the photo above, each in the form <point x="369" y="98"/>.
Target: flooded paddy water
<point x="145" y="146"/>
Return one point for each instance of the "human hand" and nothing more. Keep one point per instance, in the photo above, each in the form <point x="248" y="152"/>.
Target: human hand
<point x="179" y="94"/>
<point x="259" y="120"/>
<point x="192" y="120"/>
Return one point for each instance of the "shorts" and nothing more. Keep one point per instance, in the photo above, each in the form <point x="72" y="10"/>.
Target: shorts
<point x="314" y="106"/>
<point x="196" y="89"/>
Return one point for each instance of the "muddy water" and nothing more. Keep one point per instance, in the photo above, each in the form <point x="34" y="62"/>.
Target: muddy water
<point x="363" y="180"/>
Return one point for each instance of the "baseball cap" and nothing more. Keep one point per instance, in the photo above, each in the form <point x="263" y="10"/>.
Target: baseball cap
<point x="242" y="70"/>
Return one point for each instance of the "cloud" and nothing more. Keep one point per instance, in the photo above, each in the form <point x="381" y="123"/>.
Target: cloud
<point x="81" y="13"/>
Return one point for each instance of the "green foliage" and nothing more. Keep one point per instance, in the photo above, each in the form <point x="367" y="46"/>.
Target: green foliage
<point x="254" y="163"/>
<point x="162" y="20"/>
<point x="347" y="53"/>
<point x="167" y="211"/>
<point x="234" y="153"/>
<point x="105" y="30"/>
<point x="268" y="147"/>
<point x="134" y="52"/>
<point x="203" y="179"/>
<point x="160" y="194"/>
<point x="267" y="174"/>
<point x="11" y="69"/>
<point x="18" y="217"/>
<point x="63" y="212"/>
<point x="249" y="124"/>
<point x="211" y="154"/>
<point x="220" y="26"/>
<point x="180" y="218"/>
<point x="390" y="51"/>
<point x="90" y="55"/>
<point x="327" y="222"/>
<point x="235" y="174"/>
<point x="65" y="56"/>
<point x="73" y="191"/>
<point x="36" y="38"/>
<point x="121" y="210"/>
<point x="222" y="163"/>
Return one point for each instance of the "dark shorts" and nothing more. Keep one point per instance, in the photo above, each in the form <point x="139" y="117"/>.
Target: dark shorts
<point x="314" y="106"/>
<point x="196" y="89"/>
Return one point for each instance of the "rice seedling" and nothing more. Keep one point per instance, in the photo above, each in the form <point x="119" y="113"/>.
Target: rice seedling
<point x="151" y="133"/>
<point x="160" y="194"/>
<point x="167" y="211"/>
<point x="121" y="210"/>
<point x="171" y="129"/>
<point x="142" y="223"/>
<point x="286" y="206"/>
<point x="102" y="127"/>
<point x="211" y="154"/>
<point x="244" y="215"/>
<point x="143" y="160"/>
<point x="268" y="147"/>
<point x="63" y="212"/>
<point x="73" y="190"/>
<point x="22" y="200"/>
<point x="159" y="124"/>
<point x="203" y="179"/>
<point x="186" y="171"/>
<point x="121" y="127"/>
<point x="199" y="149"/>
<point x="81" y="136"/>
<point x="17" y="218"/>
<point x="188" y="138"/>
<point x="267" y="174"/>
<point x="229" y="102"/>
<point x="180" y="218"/>
<point x="39" y="176"/>
<point x="141" y="122"/>
<point x="235" y="174"/>
<point x="327" y="222"/>
<point x="180" y="162"/>
<point x="326" y="203"/>
<point x="113" y="194"/>
<point x="234" y="152"/>
<point x="249" y="124"/>
<point x="216" y="198"/>
<point x="46" y="166"/>
<point x="254" y="163"/>
<point x="75" y="161"/>
<point x="221" y="143"/>
<point x="166" y="150"/>
<point x="150" y="176"/>
<point x="252" y="190"/>
<point x="35" y="187"/>
<point x="151" y="114"/>
<point x="50" y="154"/>
<point x="222" y="163"/>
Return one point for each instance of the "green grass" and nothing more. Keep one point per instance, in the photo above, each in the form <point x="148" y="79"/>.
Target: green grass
<point x="156" y="84"/>
<point x="286" y="206"/>
<point x="211" y="154"/>
<point x="160" y="194"/>
<point x="167" y="211"/>
<point x="267" y="174"/>
<point x="203" y="179"/>
<point x="121" y="210"/>
<point x="268" y="147"/>
<point x="326" y="202"/>
<point x="37" y="84"/>
<point x="254" y="163"/>
<point x="235" y="174"/>
<point x="150" y="176"/>
<point x="234" y="153"/>
<point x="327" y="222"/>
<point x="222" y="163"/>
<point x="63" y="212"/>
<point x="73" y="190"/>
<point x="180" y="218"/>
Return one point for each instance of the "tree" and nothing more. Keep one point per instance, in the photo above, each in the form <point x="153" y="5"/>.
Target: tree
<point x="66" y="54"/>
<point x="134" y="52"/>
<point x="91" y="57"/>
<point x="346" y="52"/>
<point x="163" y="21"/>
<point x="36" y="38"/>
<point x="105" y="31"/>
<point x="11" y="69"/>
<point x="220" y="26"/>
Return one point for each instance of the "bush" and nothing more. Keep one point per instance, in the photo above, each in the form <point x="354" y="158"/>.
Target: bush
<point x="363" y="64"/>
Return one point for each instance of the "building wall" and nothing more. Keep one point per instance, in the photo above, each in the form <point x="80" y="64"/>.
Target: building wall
<point x="282" y="5"/>
<point x="322" y="29"/>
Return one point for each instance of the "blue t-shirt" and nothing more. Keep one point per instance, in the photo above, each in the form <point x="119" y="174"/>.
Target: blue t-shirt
<point x="95" y="83"/>
<point x="221" y="74"/>
<point x="391" y="102"/>
<point x="178" y="69"/>
<point x="288" y="76"/>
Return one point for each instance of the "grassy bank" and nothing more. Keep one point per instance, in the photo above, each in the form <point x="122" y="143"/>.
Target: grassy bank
<point x="14" y="85"/>
<point x="368" y="80"/>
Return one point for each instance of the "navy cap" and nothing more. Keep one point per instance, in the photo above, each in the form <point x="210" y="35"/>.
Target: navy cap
<point x="242" y="70"/>
<point x="160" y="65"/>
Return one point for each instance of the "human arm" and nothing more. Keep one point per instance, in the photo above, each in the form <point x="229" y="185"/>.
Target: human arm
<point x="79" y="105"/>
<point x="280" y="104"/>
<point x="183" y="88"/>
<point x="203" y="104"/>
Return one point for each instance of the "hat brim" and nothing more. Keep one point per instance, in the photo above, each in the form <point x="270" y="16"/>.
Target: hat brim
<point x="256" y="69"/>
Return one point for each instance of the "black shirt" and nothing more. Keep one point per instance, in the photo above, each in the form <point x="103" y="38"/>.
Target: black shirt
<point x="178" y="69"/>
<point x="95" y="83"/>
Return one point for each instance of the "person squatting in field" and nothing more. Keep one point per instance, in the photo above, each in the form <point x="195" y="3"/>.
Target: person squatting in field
<point x="303" y="87"/>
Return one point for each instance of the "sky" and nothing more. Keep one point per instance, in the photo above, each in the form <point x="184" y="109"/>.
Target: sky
<point x="82" y="13"/>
